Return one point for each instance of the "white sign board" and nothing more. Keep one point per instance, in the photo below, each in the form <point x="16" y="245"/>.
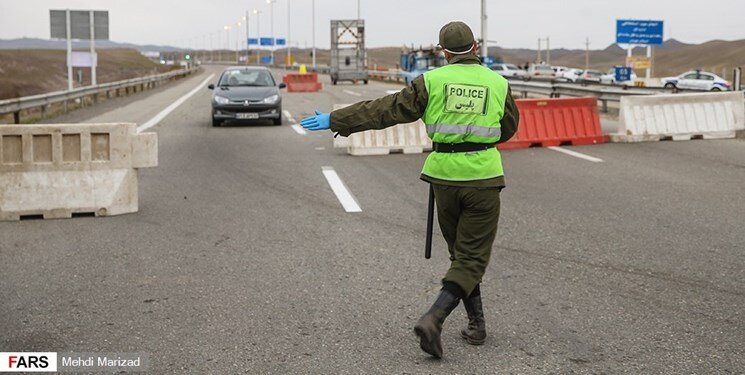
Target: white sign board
<point x="83" y="59"/>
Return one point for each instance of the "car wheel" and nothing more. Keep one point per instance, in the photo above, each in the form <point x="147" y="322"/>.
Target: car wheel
<point x="365" y="81"/>
<point x="333" y="82"/>
<point x="716" y="89"/>
<point x="669" y="85"/>
<point x="216" y="122"/>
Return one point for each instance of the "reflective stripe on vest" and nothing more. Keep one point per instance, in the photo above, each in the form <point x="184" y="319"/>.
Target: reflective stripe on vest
<point x="464" y="129"/>
<point x="466" y="104"/>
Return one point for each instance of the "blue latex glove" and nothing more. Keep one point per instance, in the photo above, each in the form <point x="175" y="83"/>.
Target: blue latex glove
<point x="321" y="121"/>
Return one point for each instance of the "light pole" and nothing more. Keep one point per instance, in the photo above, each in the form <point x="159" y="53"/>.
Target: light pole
<point x="258" y="35"/>
<point x="245" y="18"/>
<point x="271" y="27"/>
<point x="313" y="16"/>
<point x="212" y="48"/>
<point x="237" y="41"/>
<point x="484" y="40"/>
<point x="289" y="49"/>
<point x="358" y="10"/>
<point x="227" y="40"/>
<point x="219" y="44"/>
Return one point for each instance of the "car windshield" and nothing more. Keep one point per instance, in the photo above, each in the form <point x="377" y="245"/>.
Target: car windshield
<point x="246" y="77"/>
<point x="511" y="67"/>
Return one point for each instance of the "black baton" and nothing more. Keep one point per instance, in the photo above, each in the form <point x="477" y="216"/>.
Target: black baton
<point x="430" y="219"/>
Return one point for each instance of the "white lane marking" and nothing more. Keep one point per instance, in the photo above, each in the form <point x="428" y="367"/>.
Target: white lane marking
<point x="343" y="194"/>
<point x="289" y="116"/>
<point x="160" y="116"/>
<point x="577" y="154"/>
<point x="299" y="129"/>
<point x="350" y="92"/>
<point x="320" y="148"/>
<point x="389" y="92"/>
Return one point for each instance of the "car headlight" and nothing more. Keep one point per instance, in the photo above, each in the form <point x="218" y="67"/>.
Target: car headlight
<point x="271" y="99"/>
<point x="221" y="100"/>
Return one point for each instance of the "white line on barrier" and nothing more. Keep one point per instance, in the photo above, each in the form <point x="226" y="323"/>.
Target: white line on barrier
<point x="299" y="129"/>
<point x="343" y="194"/>
<point x="350" y="92"/>
<point x="160" y="116"/>
<point x="577" y="154"/>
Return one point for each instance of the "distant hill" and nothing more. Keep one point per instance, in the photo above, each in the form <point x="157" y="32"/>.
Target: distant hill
<point x="36" y="43"/>
<point x="30" y="72"/>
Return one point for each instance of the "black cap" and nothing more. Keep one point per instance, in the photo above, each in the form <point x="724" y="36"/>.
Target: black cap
<point x="456" y="36"/>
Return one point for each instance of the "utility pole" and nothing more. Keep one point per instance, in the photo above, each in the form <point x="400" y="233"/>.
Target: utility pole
<point x="227" y="40"/>
<point x="94" y="61"/>
<point x="258" y="36"/>
<point x="237" y="42"/>
<point x="289" y="48"/>
<point x="548" y="51"/>
<point x="313" y="16"/>
<point x="271" y="27"/>
<point x="69" y="52"/>
<point x="358" y="10"/>
<point x="484" y="41"/>
<point x="245" y="19"/>
<point x="538" y="57"/>
<point x="587" y="53"/>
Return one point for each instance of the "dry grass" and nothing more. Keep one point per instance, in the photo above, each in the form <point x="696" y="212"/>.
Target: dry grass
<point x="30" y="72"/>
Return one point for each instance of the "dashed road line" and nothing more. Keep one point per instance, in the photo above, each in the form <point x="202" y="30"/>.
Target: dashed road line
<point x="577" y="154"/>
<point x="299" y="129"/>
<point x="343" y="194"/>
<point x="350" y="92"/>
<point x="160" y="116"/>
<point x="295" y="126"/>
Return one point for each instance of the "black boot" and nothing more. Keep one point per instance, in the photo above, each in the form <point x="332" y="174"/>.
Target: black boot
<point x="475" y="333"/>
<point x="429" y="326"/>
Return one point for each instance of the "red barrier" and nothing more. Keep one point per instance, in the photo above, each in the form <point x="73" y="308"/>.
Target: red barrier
<point x="302" y="82"/>
<point x="556" y="122"/>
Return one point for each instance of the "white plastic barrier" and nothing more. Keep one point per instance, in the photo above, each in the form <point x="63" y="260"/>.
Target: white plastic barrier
<point x="408" y="138"/>
<point x="680" y="117"/>
<point x="66" y="170"/>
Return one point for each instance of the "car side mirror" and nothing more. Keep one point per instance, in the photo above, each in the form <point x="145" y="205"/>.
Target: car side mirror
<point x="282" y="85"/>
<point x="211" y="87"/>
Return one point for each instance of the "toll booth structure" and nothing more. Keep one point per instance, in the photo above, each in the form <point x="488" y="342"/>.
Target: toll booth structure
<point x="348" y="53"/>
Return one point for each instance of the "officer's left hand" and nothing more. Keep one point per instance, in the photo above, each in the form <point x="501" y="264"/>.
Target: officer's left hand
<point x="321" y="121"/>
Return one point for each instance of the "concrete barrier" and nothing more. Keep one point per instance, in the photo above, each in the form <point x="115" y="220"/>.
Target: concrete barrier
<point x="68" y="170"/>
<point x="408" y="138"/>
<point x="680" y="117"/>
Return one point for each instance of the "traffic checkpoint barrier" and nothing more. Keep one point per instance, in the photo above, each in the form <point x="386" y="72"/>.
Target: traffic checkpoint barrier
<point x="557" y="122"/>
<point x="410" y="138"/>
<point x="70" y="170"/>
<point x="680" y="117"/>
<point x="302" y="82"/>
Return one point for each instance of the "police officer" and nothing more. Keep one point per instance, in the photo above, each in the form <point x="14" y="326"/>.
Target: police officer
<point x="467" y="109"/>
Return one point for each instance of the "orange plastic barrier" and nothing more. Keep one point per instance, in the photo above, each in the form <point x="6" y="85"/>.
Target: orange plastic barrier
<point x="557" y="122"/>
<point x="302" y="82"/>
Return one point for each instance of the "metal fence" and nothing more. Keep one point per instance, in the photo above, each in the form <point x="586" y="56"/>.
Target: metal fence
<point x="16" y="105"/>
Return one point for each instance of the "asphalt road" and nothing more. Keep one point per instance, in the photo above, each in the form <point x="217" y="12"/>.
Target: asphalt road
<point x="242" y="260"/>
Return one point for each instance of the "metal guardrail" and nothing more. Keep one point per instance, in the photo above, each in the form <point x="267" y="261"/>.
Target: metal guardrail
<point x="16" y="105"/>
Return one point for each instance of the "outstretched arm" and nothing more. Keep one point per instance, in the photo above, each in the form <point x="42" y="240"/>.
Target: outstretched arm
<point x="407" y="105"/>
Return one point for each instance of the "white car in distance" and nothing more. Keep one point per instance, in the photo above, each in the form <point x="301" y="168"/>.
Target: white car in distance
<point x="610" y="78"/>
<point x="697" y="80"/>
<point x="508" y="70"/>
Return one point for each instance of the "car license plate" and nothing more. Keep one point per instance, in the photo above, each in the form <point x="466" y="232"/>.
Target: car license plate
<point x="247" y="116"/>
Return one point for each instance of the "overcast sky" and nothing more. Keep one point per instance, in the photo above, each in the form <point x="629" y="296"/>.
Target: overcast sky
<point x="514" y="23"/>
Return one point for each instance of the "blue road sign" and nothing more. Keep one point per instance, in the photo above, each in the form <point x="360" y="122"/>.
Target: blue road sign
<point x="639" y="32"/>
<point x="266" y="59"/>
<point x="267" y="41"/>
<point x="488" y="60"/>
<point x="253" y="41"/>
<point x="281" y="41"/>
<point x="623" y="74"/>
